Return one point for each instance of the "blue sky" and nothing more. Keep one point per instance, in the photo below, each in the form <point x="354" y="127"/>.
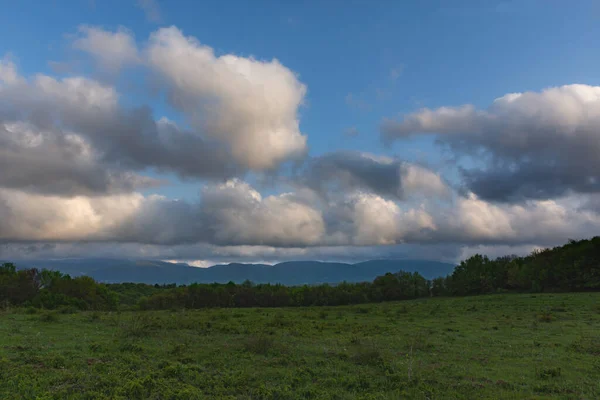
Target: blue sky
<point x="361" y="61"/>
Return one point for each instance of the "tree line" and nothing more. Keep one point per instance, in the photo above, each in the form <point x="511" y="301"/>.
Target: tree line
<point x="572" y="267"/>
<point x="52" y="289"/>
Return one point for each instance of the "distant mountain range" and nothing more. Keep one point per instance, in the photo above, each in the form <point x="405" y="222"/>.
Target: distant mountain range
<point x="287" y="273"/>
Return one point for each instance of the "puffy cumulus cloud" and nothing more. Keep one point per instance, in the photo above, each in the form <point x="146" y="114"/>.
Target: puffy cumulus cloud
<point x="377" y="221"/>
<point x="112" y="50"/>
<point x="232" y="213"/>
<point x="471" y="220"/>
<point x="343" y="172"/>
<point x="32" y="217"/>
<point x="8" y="72"/>
<point x="537" y="145"/>
<point x="233" y="222"/>
<point x="242" y="113"/>
<point x="367" y="219"/>
<point x="229" y="214"/>
<point x="250" y="105"/>
<point x="64" y="164"/>
<point x="73" y="156"/>
<point x="43" y="98"/>
<point x="238" y="214"/>
<point x="76" y="120"/>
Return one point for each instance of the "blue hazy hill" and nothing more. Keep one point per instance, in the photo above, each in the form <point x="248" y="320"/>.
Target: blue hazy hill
<point x="287" y="273"/>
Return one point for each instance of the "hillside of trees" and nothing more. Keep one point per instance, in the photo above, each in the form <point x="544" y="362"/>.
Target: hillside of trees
<point x="572" y="267"/>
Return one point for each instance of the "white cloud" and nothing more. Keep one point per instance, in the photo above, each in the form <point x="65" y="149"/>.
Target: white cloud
<point x="420" y="180"/>
<point x="8" y="72"/>
<point x="32" y="217"/>
<point x="250" y="105"/>
<point x="240" y="215"/>
<point x="538" y="145"/>
<point x="72" y="155"/>
<point x="113" y="50"/>
<point x="121" y="139"/>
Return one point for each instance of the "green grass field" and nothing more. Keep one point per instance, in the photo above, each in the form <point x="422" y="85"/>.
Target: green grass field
<point x="488" y="347"/>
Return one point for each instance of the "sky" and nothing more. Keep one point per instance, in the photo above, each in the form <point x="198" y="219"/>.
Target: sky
<point x="270" y="131"/>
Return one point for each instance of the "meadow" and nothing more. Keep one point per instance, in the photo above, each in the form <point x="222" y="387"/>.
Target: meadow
<point x="507" y="346"/>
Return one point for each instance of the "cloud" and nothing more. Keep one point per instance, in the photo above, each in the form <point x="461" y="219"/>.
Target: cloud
<point x="377" y="221"/>
<point x="151" y="9"/>
<point x="543" y="222"/>
<point x="77" y="139"/>
<point x="75" y="154"/>
<point x="235" y="214"/>
<point x="33" y="217"/>
<point x="8" y="72"/>
<point x="240" y="113"/>
<point x="112" y="50"/>
<point x="60" y="164"/>
<point x="341" y="172"/>
<point x="229" y="214"/>
<point x="535" y="145"/>
<point x="248" y="104"/>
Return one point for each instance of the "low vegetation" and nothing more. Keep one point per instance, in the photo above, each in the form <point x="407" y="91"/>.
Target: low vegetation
<point x="479" y="347"/>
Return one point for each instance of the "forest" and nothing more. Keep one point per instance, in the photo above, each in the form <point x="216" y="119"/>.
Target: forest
<point x="573" y="267"/>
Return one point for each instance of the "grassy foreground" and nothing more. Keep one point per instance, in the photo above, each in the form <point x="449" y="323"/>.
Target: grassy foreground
<point x="495" y="347"/>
